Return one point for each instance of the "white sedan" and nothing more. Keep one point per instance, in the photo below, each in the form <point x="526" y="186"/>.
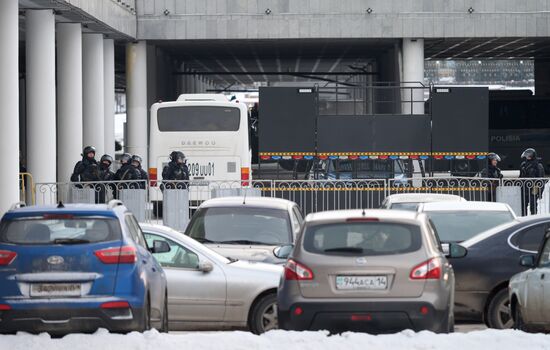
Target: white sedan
<point x="207" y="291"/>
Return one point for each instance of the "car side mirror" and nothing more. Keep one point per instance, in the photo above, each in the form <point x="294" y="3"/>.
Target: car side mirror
<point x="527" y="261"/>
<point x="206" y="266"/>
<point x="283" y="251"/>
<point x="456" y="251"/>
<point x="160" y="247"/>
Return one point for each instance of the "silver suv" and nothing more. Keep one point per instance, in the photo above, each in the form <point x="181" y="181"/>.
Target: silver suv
<point x="375" y="271"/>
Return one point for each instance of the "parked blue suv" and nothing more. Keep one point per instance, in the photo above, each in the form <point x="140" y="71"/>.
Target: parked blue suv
<point x="77" y="268"/>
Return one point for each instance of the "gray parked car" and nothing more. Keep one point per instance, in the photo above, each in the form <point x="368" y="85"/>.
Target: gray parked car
<point x="246" y="228"/>
<point x="530" y="291"/>
<point x="209" y="292"/>
<point x="373" y="270"/>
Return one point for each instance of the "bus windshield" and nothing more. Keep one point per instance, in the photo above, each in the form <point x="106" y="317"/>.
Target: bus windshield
<point x="198" y="118"/>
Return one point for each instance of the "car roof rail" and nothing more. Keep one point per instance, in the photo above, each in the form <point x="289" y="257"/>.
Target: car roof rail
<point x="18" y="205"/>
<point x="115" y="203"/>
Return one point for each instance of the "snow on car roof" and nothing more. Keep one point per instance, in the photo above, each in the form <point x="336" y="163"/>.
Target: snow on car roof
<point x="263" y="202"/>
<point x="422" y="197"/>
<point x="454" y="206"/>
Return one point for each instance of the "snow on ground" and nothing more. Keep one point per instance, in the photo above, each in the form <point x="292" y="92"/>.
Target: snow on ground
<point x="277" y="340"/>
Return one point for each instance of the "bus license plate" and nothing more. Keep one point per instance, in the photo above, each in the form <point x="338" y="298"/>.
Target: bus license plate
<point x="55" y="289"/>
<point x="201" y="169"/>
<point x="361" y="282"/>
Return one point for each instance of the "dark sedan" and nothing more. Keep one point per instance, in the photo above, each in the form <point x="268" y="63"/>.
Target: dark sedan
<point x="482" y="276"/>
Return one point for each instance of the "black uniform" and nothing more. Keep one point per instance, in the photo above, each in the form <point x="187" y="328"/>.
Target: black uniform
<point x="491" y="172"/>
<point x="106" y="175"/>
<point x="174" y="171"/>
<point x="142" y="175"/>
<point x="532" y="190"/>
<point x="85" y="170"/>
<point x="127" y="173"/>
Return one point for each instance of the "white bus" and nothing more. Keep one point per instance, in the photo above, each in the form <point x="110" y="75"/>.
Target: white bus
<point x="212" y="133"/>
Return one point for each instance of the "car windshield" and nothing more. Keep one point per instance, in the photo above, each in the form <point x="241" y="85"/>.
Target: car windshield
<point x="364" y="239"/>
<point x="405" y="206"/>
<point x="59" y="230"/>
<point x="458" y="226"/>
<point x="241" y="225"/>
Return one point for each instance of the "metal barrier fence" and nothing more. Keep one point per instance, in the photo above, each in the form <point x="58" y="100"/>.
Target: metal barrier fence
<point x="173" y="203"/>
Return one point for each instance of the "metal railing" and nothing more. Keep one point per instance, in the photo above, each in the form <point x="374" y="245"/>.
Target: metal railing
<point x="172" y="203"/>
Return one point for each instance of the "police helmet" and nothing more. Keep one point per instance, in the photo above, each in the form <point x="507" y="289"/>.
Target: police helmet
<point x="87" y="150"/>
<point x="106" y="158"/>
<point x="175" y="155"/>
<point x="493" y="156"/>
<point x="136" y="158"/>
<point x="125" y="158"/>
<point x="530" y="152"/>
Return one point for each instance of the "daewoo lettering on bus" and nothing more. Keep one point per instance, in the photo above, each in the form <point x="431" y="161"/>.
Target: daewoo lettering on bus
<point x="212" y="133"/>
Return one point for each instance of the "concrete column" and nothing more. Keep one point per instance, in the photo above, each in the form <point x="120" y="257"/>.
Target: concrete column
<point x="69" y="98"/>
<point x="92" y="91"/>
<point x="9" y="103"/>
<point x="41" y="123"/>
<point x="413" y="73"/>
<point x="109" y="95"/>
<point x="136" y="95"/>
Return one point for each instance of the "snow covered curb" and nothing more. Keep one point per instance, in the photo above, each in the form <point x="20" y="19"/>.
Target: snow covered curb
<point x="280" y="340"/>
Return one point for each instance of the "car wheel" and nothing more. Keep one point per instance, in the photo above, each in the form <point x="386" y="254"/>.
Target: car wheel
<point x="164" y="326"/>
<point x="518" y="319"/>
<point x="146" y="320"/>
<point x="498" y="312"/>
<point x="264" y="314"/>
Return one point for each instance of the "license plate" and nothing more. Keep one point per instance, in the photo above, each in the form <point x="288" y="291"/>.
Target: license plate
<point x="361" y="282"/>
<point x="55" y="289"/>
<point x="200" y="169"/>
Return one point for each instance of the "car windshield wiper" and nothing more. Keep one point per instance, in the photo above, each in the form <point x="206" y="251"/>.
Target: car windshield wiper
<point x="344" y="250"/>
<point x="70" y="241"/>
<point x="244" y="241"/>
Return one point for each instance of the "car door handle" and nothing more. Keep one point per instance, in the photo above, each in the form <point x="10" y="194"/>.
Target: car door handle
<point x="542" y="276"/>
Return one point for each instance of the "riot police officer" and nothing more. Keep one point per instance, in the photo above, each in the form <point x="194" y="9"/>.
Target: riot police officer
<point x="176" y="170"/>
<point x="105" y="175"/>
<point x="85" y="170"/>
<point x="492" y="170"/>
<point x="126" y="172"/>
<point x="136" y="163"/>
<point x="531" y="169"/>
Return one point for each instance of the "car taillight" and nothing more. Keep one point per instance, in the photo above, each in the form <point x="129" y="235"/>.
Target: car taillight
<point x="153" y="176"/>
<point x="123" y="255"/>
<point x="430" y="269"/>
<point x="116" y="305"/>
<point x="245" y="176"/>
<point x="297" y="272"/>
<point x="5" y="307"/>
<point x="7" y="257"/>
